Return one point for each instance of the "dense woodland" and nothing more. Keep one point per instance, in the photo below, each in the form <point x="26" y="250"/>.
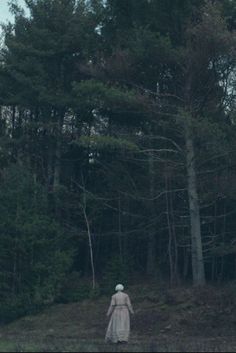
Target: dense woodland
<point x="117" y="147"/>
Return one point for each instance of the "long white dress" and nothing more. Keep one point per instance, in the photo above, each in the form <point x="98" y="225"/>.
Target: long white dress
<point x="118" y="329"/>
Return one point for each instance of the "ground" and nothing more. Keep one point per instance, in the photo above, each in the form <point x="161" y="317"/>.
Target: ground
<point x="168" y="320"/>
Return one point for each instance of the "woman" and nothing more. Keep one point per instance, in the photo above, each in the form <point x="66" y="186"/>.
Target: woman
<point x="119" y="326"/>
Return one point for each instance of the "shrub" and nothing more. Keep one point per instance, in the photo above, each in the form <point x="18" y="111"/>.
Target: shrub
<point x="76" y="288"/>
<point x="33" y="259"/>
<point x="116" y="271"/>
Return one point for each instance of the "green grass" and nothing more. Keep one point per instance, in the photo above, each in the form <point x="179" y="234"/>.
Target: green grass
<point x="11" y="346"/>
<point x="179" y="320"/>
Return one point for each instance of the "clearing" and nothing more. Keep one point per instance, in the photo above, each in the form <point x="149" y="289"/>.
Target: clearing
<point x="168" y="320"/>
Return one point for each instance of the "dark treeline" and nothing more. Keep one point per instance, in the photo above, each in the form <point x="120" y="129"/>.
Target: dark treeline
<point x="117" y="146"/>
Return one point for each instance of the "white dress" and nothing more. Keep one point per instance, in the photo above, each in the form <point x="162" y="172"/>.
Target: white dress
<point x="119" y="326"/>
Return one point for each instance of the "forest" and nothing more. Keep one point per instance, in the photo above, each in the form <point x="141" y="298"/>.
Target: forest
<point x="117" y="147"/>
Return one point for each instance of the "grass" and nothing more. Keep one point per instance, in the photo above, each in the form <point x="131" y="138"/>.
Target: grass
<point x="179" y="320"/>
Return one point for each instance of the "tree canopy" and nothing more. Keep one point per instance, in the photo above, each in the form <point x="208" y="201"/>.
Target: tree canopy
<point x="117" y="144"/>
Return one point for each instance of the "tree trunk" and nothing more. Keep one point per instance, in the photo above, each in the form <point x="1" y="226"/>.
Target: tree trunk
<point x="196" y="240"/>
<point x="57" y="166"/>
<point x="151" y="268"/>
<point x="151" y="261"/>
<point x="90" y="246"/>
<point x="172" y="243"/>
<point x="120" y="230"/>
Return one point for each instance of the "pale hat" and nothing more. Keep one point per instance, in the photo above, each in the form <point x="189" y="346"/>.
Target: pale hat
<point x="119" y="287"/>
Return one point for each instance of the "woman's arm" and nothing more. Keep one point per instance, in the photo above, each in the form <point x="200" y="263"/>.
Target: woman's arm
<point x="128" y="302"/>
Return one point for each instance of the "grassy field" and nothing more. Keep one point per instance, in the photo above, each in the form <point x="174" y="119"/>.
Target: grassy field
<point x="180" y="320"/>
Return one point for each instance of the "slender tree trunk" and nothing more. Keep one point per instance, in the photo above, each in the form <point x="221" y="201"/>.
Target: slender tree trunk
<point x="196" y="240"/>
<point x="151" y="254"/>
<point x="214" y="259"/>
<point x="13" y="121"/>
<point x="57" y="166"/>
<point x="51" y="149"/>
<point x="90" y="246"/>
<point x="175" y="244"/>
<point x="120" y="230"/>
<point x="170" y="236"/>
<point x="221" y="274"/>
<point x="186" y="264"/>
<point x="83" y="206"/>
<point x="172" y="242"/>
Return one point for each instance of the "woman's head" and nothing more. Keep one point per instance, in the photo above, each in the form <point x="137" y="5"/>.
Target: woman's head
<point x="119" y="287"/>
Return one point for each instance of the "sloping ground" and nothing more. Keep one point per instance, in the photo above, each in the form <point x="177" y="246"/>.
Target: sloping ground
<point x="170" y="320"/>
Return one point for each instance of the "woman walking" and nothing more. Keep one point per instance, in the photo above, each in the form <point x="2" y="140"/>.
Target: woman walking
<point x="119" y="326"/>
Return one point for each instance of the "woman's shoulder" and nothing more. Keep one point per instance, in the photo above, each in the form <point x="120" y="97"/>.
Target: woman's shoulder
<point x="120" y="294"/>
<point x="124" y="294"/>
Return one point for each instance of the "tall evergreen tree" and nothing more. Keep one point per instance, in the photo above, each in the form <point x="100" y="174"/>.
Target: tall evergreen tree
<point x="179" y="78"/>
<point x="119" y="109"/>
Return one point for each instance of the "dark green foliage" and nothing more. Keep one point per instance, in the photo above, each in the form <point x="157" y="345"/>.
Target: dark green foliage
<point x="33" y="255"/>
<point x="168" y="17"/>
<point x="42" y="53"/>
<point x="94" y="99"/>
<point x="116" y="271"/>
<point x="75" y="288"/>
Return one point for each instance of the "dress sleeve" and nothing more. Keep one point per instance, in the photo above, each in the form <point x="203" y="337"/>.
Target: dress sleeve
<point x="111" y="307"/>
<point x="129" y="305"/>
